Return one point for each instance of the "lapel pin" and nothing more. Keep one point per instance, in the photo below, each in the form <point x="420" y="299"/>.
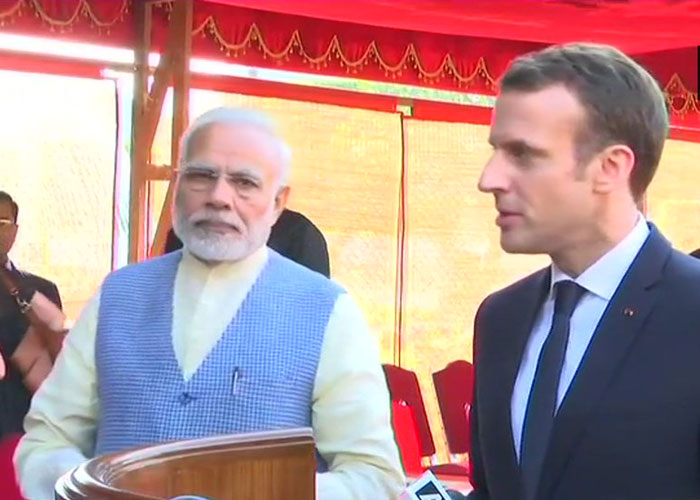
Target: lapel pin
<point x="629" y="312"/>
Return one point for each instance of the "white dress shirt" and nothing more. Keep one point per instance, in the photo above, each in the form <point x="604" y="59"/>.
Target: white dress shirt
<point x="600" y="282"/>
<point x="350" y="401"/>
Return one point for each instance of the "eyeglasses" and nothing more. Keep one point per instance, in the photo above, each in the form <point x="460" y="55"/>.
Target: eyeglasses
<point x="199" y="178"/>
<point x="6" y="224"/>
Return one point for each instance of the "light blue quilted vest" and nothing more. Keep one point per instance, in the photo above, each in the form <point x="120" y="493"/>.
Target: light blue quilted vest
<point x="259" y="376"/>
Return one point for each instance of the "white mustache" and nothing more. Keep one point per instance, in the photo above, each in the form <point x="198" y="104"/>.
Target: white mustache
<point x="212" y="216"/>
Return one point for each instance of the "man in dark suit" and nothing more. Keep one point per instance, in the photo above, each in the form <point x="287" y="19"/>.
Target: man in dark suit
<point x="588" y="371"/>
<point x="294" y="236"/>
<point x="15" y="391"/>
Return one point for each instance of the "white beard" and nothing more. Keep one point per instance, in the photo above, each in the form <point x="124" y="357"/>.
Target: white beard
<point x="212" y="246"/>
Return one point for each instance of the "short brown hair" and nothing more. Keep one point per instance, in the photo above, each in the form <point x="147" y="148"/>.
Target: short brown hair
<point x="622" y="101"/>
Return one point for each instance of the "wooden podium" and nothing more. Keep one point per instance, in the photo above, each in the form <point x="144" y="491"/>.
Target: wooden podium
<point x="275" y="465"/>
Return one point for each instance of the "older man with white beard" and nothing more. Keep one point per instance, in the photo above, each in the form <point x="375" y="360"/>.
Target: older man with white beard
<point x="224" y="336"/>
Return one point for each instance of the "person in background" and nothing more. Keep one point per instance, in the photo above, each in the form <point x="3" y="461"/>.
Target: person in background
<point x="27" y="354"/>
<point x="31" y="333"/>
<point x="223" y="336"/>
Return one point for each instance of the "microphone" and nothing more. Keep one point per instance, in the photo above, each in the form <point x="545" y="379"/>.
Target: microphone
<point x="426" y="487"/>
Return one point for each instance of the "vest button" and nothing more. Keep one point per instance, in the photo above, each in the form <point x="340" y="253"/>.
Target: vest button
<point x="185" y="398"/>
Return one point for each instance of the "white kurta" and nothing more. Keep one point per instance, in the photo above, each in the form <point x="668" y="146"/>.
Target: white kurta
<point x="350" y="407"/>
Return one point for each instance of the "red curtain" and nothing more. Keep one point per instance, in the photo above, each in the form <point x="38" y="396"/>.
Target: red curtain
<point x="94" y="21"/>
<point x="327" y="47"/>
<point x="267" y="39"/>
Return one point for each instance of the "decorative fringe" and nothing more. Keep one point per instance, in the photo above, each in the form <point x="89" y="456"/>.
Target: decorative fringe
<point x="681" y="101"/>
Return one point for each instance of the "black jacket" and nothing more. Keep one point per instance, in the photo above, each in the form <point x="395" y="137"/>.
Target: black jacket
<point x="629" y="426"/>
<point x="14" y="396"/>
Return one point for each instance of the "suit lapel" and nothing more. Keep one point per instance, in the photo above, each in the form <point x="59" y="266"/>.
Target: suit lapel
<point x="510" y="329"/>
<point x="621" y="323"/>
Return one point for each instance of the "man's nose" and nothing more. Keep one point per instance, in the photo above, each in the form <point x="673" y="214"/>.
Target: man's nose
<point x="494" y="177"/>
<point x="221" y="194"/>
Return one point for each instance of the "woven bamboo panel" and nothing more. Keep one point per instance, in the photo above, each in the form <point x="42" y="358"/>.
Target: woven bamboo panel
<point x="57" y="141"/>
<point x="673" y="199"/>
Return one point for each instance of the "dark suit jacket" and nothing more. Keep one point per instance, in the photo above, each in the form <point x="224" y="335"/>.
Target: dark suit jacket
<point x="298" y="239"/>
<point x="14" y="396"/>
<point x="629" y="426"/>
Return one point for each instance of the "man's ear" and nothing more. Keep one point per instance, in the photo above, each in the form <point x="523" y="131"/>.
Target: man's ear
<point x="281" y="200"/>
<point x="615" y="168"/>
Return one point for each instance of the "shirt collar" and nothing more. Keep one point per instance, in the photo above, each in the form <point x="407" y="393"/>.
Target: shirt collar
<point x="604" y="276"/>
<point x="253" y="263"/>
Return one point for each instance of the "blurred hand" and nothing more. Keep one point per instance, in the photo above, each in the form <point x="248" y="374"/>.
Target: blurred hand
<point x="32" y="359"/>
<point x="49" y="322"/>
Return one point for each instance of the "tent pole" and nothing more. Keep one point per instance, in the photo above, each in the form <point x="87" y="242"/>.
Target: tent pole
<point x="173" y="69"/>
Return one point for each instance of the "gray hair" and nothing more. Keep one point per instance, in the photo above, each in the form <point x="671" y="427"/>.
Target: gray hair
<point x="239" y="116"/>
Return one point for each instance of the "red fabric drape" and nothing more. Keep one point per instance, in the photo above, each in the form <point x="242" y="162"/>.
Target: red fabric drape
<point x="635" y="26"/>
<point x="106" y="22"/>
<point x="291" y="42"/>
<point x="327" y="47"/>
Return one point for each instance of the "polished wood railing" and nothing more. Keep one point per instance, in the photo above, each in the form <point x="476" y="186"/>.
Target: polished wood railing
<point x="277" y="465"/>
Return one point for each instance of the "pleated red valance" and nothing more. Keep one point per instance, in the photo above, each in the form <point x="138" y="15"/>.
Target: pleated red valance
<point x="297" y="43"/>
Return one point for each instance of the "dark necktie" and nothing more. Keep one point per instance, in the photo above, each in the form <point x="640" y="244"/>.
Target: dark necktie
<point x="542" y="403"/>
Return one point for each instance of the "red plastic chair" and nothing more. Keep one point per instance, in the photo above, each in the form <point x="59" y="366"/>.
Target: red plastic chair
<point x="403" y="386"/>
<point x="9" y="489"/>
<point x="406" y="432"/>
<point x="454" y="386"/>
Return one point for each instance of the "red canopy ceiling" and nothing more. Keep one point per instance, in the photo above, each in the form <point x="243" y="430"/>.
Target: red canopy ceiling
<point x="632" y="25"/>
<point x="452" y="44"/>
